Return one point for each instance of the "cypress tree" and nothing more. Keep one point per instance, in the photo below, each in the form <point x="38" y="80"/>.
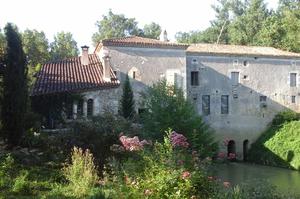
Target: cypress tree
<point x="127" y="101"/>
<point x="14" y="87"/>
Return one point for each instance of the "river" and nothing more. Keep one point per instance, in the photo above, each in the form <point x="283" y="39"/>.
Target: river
<point x="287" y="181"/>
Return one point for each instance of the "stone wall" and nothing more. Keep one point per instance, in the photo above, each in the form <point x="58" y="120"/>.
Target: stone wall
<point x="248" y="113"/>
<point x="146" y="66"/>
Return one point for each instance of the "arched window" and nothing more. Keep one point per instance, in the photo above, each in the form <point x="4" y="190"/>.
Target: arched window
<point x="231" y="154"/>
<point x="90" y="107"/>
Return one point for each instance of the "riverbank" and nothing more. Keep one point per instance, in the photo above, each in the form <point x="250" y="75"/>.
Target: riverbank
<point x="286" y="181"/>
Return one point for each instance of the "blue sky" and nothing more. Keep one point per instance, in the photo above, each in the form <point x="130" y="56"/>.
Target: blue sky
<point x="79" y="17"/>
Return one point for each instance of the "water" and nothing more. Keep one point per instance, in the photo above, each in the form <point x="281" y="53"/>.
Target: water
<point x="287" y="181"/>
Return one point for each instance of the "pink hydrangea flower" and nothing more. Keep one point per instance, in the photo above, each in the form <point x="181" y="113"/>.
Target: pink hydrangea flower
<point x="178" y="140"/>
<point x="231" y="156"/>
<point x="132" y="144"/>
<point x="186" y="175"/>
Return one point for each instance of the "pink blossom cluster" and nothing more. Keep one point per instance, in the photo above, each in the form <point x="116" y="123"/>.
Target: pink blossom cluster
<point x="185" y="175"/>
<point x="231" y="156"/>
<point x="132" y="144"/>
<point x="178" y="140"/>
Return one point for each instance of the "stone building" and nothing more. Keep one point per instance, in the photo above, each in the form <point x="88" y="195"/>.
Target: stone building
<point x="237" y="89"/>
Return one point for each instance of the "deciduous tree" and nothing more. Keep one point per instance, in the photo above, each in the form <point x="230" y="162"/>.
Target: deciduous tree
<point x="152" y="30"/>
<point x="115" y="25"/>
<point x="63" y="46"/>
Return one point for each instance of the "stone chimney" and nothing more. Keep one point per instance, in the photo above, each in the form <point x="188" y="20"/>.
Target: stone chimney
<point x="164" y="36"/>
<point x="85" y="55"/>
<point x="106" y="64"/>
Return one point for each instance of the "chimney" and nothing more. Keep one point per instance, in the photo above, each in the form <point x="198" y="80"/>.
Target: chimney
<point x="106" y="65"/>
<point x="164" y="36"/>
<point x="85" y="55"/>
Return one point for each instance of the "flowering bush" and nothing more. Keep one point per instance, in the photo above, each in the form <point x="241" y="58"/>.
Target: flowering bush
<point x="132" y="144"/>
<point x="178" y="140"/>
<point x="161" y="171"/>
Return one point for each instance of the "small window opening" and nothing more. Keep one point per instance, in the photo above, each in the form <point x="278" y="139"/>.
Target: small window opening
<point x="293" y="99"/>
<point x="194" y="78"/>
<point x="133" y="74"/>
<point x="245" y="63"/>
<point x="262" y="98"/>
<point x="90" y="107"/>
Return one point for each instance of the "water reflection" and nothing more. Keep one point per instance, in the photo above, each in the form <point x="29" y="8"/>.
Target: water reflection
<point x="285" y="180"/>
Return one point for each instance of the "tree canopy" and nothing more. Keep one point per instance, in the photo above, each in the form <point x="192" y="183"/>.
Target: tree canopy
<point x="36" y="47"/>
<point x="63" y="46"/>
<point x="249" y="22"/>
<point x="117" y="25"/>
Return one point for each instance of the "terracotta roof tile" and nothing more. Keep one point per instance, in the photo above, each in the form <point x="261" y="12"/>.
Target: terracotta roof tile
<point x="135" y="41"/>
<point x="70" y="75"/>
<point x="239" y="50"/>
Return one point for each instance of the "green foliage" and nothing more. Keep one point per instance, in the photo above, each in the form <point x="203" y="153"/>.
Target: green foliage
<point x="279" y="144"/>
<point x="6" y="168"/>
<point x="127" y="101"/>
<point x="15" y="94"/>
<point x="36" y="47"/>
<point x="63" y="46"/>
<point x="166" y="107"/>
<point x="152" y="30"/>
<point x="81" y="173"/>
<point x="21" y="184"/>
<point x="115" y="25"/>
<point x="159" y="172"/>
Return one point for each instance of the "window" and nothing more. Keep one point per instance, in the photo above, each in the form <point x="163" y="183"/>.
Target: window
<point x="235" y="78"/>
<point x="262" y="98"/>
<point x="205" y="104"/>
<point x="293" y="79"/>
<point x="69" y="109"/>
<point x="245" y="63"/>
<point x="90" y="107"/>
<point x="80" y="108"/>
<point x="293" y="98"/>
<point x="194" y="78"/>
<point x="133" y="74"/>
<point x="224" y="104"/>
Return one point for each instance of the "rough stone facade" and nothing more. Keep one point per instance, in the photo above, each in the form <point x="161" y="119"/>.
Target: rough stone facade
<point x="263" y="89"/>
<point x="145" y="66"/>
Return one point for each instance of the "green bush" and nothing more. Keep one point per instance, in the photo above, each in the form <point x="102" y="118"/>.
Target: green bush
<point x="279" y="144"/>
<point x="161" y="171"/>
<point x="21" y="184"/>
<point x="166" y="107"/>
<point x="81" y="173"/>
<point x="285" y="116"/>
<point x="7" y="166"/>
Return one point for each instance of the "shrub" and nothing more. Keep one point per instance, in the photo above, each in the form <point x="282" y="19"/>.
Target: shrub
<point x="166" y="170"/>
<point x="285" y="116"/>
<point x="6" y="171"/>
<point x="21" y="184"/>
<point x="81" y="173"/>
<point x="166" y="107"/>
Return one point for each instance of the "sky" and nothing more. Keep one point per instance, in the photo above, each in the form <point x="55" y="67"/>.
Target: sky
<point x="79" y="16"/>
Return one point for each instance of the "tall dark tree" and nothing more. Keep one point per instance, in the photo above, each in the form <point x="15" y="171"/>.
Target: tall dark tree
<point x="63" y="46"/>
<point x="14" y="87"/>
<point x="127" y="101"/>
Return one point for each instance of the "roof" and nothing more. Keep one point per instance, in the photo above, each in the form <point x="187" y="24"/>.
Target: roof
<point x="69" y="75"/>
<point x="135" y="41"/>
<point x="240" y="50"/>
